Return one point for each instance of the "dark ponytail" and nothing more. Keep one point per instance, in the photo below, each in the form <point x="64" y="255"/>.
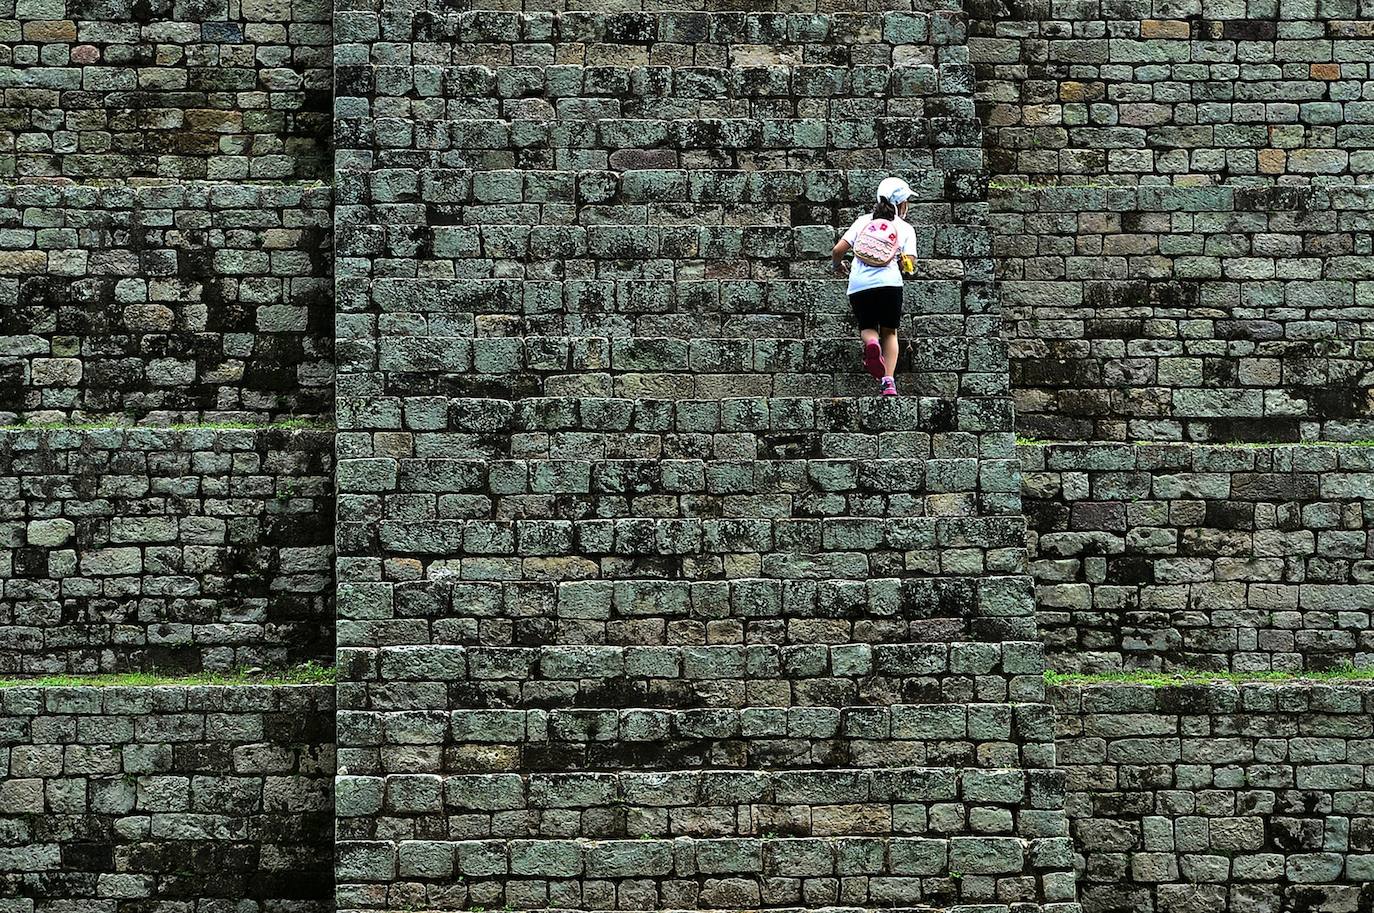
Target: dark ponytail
<point x="884" y="209"/>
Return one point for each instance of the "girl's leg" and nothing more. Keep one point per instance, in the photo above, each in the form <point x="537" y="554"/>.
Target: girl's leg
<point x="890" y="351"/>
<point x="872" y="353"/>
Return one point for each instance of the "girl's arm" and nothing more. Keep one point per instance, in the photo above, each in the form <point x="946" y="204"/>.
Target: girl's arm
<point x="837" y="257"/>
<point x="906" y="261"/>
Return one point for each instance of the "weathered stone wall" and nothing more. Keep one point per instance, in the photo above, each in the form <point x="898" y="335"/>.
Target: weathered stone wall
<point x="172" y="302"/>
<point x="643" y="602"/>
<point x="202" y="89"/>
<point x="1189" y="313"/>
<point x="196" y="799"/>
<point x="1159" y="556"/>
<point x="1176" y="90"/>
<point x="1251" y="799"/>
<point x="169" y="549"/>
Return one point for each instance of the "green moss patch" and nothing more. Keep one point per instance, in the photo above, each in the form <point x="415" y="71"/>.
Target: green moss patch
<point x="1205" y="677"/>
<point x="304" y="674"/>
<point x="305" y="424"/>
<point x="1035" y="442"/>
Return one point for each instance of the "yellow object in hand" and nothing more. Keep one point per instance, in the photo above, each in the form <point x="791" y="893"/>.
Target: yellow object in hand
<point x="907" y="264"/>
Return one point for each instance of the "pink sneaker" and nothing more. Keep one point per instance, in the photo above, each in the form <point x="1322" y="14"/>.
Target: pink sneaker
<point x="889" y="387"/>
<point x="873" y="360"/>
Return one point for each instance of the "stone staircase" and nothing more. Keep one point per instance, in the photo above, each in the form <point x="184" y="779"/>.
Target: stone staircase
<point x="645" y="600"/>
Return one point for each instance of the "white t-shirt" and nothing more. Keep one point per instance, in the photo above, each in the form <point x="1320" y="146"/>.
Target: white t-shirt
<point x="861" y="275"/>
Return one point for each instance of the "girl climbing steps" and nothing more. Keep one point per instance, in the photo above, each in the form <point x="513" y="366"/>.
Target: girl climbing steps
<point x="884" y="247"/>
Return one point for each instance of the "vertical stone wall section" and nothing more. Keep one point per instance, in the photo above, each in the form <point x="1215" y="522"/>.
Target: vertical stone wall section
<point x="1168" y="556"/>
<point x="1220" y="797"/>
<point x="183" y="89"/>
<point x="148" y="549"/>
<point x="1176" y="92"/>
<point x="1189" y="313"/>
<point x="196" y="798"/>
<point x="176" y="302"/>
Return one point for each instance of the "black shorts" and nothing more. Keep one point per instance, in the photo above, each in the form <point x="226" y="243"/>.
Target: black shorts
<point x="878" y="307"/>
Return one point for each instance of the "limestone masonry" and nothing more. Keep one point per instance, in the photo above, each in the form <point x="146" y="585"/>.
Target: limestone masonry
<point x="166" y="302"/>
<point x="174" y="798"/>
<point x="1217" y="797"/>
<point x="149" y="548"/>
<point x="1166" y="556"/>
<point x="489" y="350"/>
<point x="1206" y="314"/>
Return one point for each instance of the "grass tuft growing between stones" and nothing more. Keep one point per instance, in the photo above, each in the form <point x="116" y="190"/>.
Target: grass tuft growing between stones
<point x="317" y="424"/>
<point x="305" y="674"/>
<point x="1038" y="442"/>
<point x="1255" y="444"/>
<point x="1205" y="677"/>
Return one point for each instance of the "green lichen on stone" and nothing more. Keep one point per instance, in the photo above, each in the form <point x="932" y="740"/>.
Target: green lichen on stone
<point x="1203" y="677"/>
<point x="290" y="424"/>
<point x="303" y="674"/>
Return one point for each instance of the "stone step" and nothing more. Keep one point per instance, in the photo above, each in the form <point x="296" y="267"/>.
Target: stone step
<point x="400" y="151"/>
<point x="490" y="86"/>
<point x="721" y="446"/>
<point x="639" y="269"/>
<point x="887" y="801"/>
<point x="754" y="872"/>
<point x="492" y="343"/>
<point x="452" y="299"/>
<point x="421" y="388"/>
<point x="715" y="6"/>
<point x="1014" y="621"/>
<point x="931" y="346"/>
<point x="367" y="896"/>
<point x="761" y="675"/>
<point x="508" y="247"/>
<point x="819" y="491"/>
<point x="669" y="445"/>
<point x="954" y="140"/>
<point x="552" y="270"/>
<point x="778" y="505"/>
<point x="453" y="307"/>
<point x="352" y="890"/>
<point x="467" y="79"/>
<point x="832" y="543"/>
<point x="452" y="351"/>
<point x="714" y="317"/>
<point x="727" y="429"/>
<point x="956" y="735"/>
<point x="748" y="422"/>
<point x="689" y="36"/>
<point x="640" y="181"/>
<point x="685" y="385"/>
<point x="589" y="365"/>
<point x="735" y="611"/>
<point x="429" y="547"/>
<point x="919" y="473"/>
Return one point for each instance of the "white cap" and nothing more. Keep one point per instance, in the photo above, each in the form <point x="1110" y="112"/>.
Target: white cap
<point x="894" y="189"/>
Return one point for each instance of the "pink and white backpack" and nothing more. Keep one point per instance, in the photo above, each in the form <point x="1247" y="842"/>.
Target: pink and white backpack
<point x="877" y="243"/>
